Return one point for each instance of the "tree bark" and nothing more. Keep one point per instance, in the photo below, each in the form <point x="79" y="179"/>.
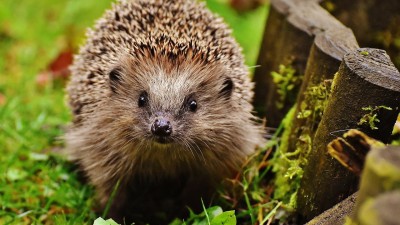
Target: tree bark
<point x="366" y="78"/>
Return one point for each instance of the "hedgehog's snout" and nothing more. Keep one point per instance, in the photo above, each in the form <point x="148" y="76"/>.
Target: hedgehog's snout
<point x="161" y="129"/>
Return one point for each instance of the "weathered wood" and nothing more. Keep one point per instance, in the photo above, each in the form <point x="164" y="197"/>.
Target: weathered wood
<point x="326" y="54"/>
<point x="336" y="215"/>
<point x="375" y="23"/>
<point x="366" y="78"/>
<point x="382" y="210"/>
<point x="323" y="62"/>
<point x="288" y="36"/>
<point x="381" y="174"/>
<point x="376" y="203"/>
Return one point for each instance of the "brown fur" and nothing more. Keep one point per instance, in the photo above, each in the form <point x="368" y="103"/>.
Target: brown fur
<point x="172" y="50"/>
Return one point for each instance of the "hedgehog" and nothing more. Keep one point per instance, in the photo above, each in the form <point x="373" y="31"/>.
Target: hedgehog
<point x="161" y="104"/>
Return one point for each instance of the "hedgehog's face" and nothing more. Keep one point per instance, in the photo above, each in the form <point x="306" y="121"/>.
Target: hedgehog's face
<point x="186" y="106"/>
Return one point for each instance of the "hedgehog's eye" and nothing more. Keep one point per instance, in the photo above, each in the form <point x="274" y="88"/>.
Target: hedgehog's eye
<point x="143" y="99"/>
<point x="192" y="105"/>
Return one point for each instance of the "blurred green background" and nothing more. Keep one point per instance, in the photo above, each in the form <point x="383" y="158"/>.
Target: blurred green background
<point x="36" y="185"/>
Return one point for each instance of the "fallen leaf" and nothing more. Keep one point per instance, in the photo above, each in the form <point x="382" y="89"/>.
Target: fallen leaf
<point x="2" y="99"/>
<point x="57" y="70"/>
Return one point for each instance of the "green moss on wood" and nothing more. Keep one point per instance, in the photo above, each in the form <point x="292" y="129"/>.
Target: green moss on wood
<point x="288" y="165"/>
<point x="371" y="118"/>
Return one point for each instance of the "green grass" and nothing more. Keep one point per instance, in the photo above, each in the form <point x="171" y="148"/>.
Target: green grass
<point x="37" y="186"/>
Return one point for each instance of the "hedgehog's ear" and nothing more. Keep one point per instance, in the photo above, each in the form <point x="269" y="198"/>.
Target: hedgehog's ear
<point x="227" y="88"/>
<point x="115" y="78"/>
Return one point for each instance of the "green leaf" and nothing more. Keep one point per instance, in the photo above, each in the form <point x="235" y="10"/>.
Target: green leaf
<point x="14" y="174"/>
<point x="304" y="114"/>
<point x="214" y="212"/>
<point x="101" y="221"/>
<point x="225" y="218"/>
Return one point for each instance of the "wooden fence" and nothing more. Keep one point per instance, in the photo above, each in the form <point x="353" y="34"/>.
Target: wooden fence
<point x="302" y="35"/>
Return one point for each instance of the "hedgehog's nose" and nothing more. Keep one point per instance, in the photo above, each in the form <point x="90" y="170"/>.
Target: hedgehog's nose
<point x="161" y="127"/>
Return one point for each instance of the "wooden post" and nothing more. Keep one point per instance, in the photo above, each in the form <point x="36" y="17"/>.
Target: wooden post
<point x="337" y="214"/>
<point x="365" y="95"/>
<point x="375" y="23"/>
<point x="326" y="54"/>
<point x="378" y="201"/>
<point x="382" y="210"/>
<point x="381" y="174"/>
<point x="288" y="36"/>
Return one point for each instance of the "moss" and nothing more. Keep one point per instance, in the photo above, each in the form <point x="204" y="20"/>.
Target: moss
<point x="349" y="221"/>
<point x="283" y="187"/>
<point x="367" y="214"/>
<point x="329" y="6"/>
<point x="314" y="103"/>
<point x="286" y="81"/>
<point x="289" y="165"/>
<point x="396" y="133"/>
<point x="289" y="169"/>
<point x="333" y="83"/>
<point x="371" y="118"/>
<point x="387" y="171"/>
